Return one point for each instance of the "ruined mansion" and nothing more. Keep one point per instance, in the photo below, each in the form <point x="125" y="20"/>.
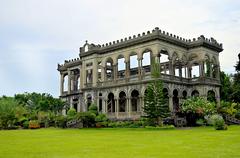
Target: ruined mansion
<point x="115" y="75"/>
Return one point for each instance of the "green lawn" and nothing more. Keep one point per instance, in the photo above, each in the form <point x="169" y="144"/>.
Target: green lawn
<point x="124" y="143"/>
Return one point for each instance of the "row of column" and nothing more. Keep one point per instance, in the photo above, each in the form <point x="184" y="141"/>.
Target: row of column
<point x="116" y="104"/>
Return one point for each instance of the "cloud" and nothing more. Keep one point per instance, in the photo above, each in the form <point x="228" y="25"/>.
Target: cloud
<point x="36" y="35"/>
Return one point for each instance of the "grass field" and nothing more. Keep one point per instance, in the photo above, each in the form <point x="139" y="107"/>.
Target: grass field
<point x="124" y="143"/>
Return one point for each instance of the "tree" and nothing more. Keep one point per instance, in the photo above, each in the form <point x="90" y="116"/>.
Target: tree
<point x="226" y="87"/>
<point x="155" y="106"/>
<point x="236" y="83"/>
<point x="7" y="112"/>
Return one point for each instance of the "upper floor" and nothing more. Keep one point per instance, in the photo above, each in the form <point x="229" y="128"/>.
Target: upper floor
<point x="128" y="61"/>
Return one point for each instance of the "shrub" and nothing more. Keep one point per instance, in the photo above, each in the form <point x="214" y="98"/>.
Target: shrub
<point x="101" y="118"/>
<point x="237" y="115"/>
<point x="201" y="122"/>
<point x="60" y="121"/>
<point x="218" y="122"/>
<point x="147" y="122"/>
<point x="26" y="124"/>
<point x="93" y="108"/>
<point x="34" y="124"/>
<point x="71" y="113"/>
<point x="88" y="118"/>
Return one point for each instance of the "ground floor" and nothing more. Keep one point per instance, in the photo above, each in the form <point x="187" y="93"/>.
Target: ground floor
<point x="126" y="102"/>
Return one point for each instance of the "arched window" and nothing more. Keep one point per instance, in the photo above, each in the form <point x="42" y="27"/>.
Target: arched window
<point x="211" y="96"/>
<point x="195" y="93"/>
<point x="135" y="100"/>
<point x="110" y="103"/>
<point x="100" y="108"/>
<point x="133" y="64"/>
<point x="122" y="102"/>
<point x="65" y="83"/>
<point x="121" y="66"/>
<point x="109" y="69"/>
<point x="164" y="61"/>
<point x="175" y="101"/>
<point x="146" y="61"/>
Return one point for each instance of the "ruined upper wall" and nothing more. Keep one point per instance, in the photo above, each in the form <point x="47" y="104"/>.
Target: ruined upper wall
<point x="155" y="34"/>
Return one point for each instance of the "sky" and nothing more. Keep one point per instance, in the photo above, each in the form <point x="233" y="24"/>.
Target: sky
<point x="36" y="35"/>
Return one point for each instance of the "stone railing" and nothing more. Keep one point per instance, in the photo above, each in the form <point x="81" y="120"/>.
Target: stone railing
<point x="164" y="77"/>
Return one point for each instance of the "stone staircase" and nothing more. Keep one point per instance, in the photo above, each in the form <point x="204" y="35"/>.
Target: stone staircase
<point x="231" y="120"/>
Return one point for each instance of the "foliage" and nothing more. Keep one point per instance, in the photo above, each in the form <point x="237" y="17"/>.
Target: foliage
<point x="226" y="87"/>
<point x="218" y="122"/>
<point x="93" y="108"/>
<point x="71" y="113"/>
<point x="155" y="105"/>
<point x="40" y="102"/>
<point x="236" y="82"/>
<point x="195" y="108"/>
<point x="228" y="108"/>
<point x="198" y="105"/>
<point x="125" y="124"/>
<point x="60" y="121"/>
<point x="26" y="124"/>
<point x="101" y="118"/>
<point x="201" y="122"/>
<point x="43" y="118"/>
<point x="34" y="124"/>
<point x="88" y="118"/>
<point x="7" y="112"/>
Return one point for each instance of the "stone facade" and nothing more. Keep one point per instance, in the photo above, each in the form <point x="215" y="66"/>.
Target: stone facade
<point x="115" y="75"/>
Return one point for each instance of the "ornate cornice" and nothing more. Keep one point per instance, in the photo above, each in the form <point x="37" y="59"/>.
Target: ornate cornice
<point x="156" y="34"/>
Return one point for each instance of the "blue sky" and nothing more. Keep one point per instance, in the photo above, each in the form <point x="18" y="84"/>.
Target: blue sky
<point x="37" y="35"/>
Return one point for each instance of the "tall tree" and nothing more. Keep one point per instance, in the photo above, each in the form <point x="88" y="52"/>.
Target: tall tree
<point x="155" y="105"/>
<point x="236" y="82"/>
<point x="226" y="87"/>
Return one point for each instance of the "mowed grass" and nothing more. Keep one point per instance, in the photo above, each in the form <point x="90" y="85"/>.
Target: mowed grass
<point x="125" y="143"/>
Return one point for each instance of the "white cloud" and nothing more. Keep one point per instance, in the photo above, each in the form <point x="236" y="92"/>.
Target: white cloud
<point x="37" y="30"/>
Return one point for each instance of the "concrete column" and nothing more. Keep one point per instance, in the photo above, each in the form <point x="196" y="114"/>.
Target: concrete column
<point x="189" y="72"/>
<point x="116" y="108"/>
<point x="127" y="101"/>
<point x="102" y="73"/>
<point x="104" y="108"/>
<point x="115" y="72"/>
<point x="211" y="75"/>
<point x="170" y="102"/>
<point x="69" y="81"/>
<point x="127" y="74"/>
<point x="170" y="67"/>
<point x="61" y="84"/>
<point x="201" y="69"/>
<point x="95" y="72"/>
<point x="139" y="68"/>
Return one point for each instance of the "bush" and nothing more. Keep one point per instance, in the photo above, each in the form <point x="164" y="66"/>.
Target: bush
<point x="101" y="118"/>
<point x="201" y="122"/>
<point x="60" y="121"/>
<point x="218" y="122"/>
<point x="93" y="108"/>
<point x="88" y="118"/>
<point x="71" y="113"/>
<point x="147" y="122"/>
<point x="34" y="124"/>
<point x="26" y="124"/>
<point x="237" y="115"/>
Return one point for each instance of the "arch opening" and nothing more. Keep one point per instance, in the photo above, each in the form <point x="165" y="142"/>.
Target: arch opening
<point x="110" y="103"/>
<point x="133" y="64"/>
<point x="122" y="102"/>
<point x="135" y="100"/>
